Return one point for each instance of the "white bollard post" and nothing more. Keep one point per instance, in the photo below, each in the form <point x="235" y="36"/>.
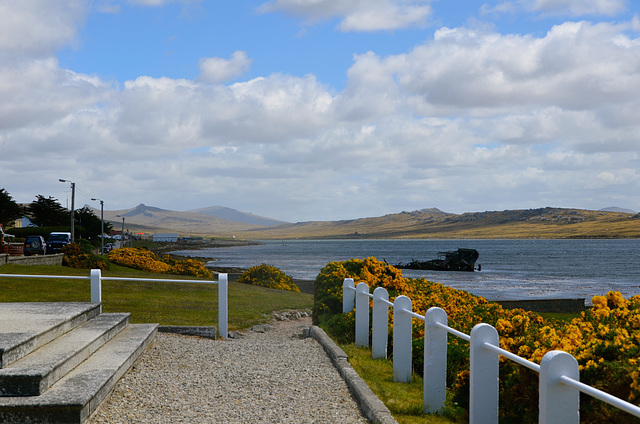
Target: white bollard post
<point x="380" y="324"/>
<point x="435" y="361"/>
<point x="483" y="399"/>
<point x="348" y="295"/>
<point x="402" y="340"/>
<point x="223" y="306"/>
<point x="96" y="287"/>
<point x="559" y="403"/>
<point x="362" y="315"/>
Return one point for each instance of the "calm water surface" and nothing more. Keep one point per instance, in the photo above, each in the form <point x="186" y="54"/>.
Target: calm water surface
<point x="511" y="269"/>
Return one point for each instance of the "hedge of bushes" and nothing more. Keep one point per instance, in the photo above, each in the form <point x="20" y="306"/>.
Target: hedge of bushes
<point x="604" y="339"/>
<point x="145" y="260"/>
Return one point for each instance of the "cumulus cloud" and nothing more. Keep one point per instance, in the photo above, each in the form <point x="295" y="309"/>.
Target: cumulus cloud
<point x="40" y="26"/>
<point x="358" y="15"/>
<point x="217" y="70"/>
<point x="465" y="119"/>
<point x="463" y="71"/>
<point x="573" y="8"/>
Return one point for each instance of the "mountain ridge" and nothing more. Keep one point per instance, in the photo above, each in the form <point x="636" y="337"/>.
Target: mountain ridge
<point x="548" y="222"/>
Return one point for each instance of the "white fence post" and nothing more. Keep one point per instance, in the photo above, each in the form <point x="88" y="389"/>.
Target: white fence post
<point x="96" y="287"/>
<point x="362" y="315"/>
<point x="559" y="403"/>
<point x="402" y="340"/>
<point x="348" y="295"/>
<point x="223" y="309"/>
<point x="483" y="399"/>
<point x="435" y="360"/>
<point x="380" y="324"/>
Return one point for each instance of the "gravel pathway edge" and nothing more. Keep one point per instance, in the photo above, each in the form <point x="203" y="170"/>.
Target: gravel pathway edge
<point x="371" y="405"/>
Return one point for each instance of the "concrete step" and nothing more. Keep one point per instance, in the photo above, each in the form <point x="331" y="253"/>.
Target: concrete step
<point x="36" y="372"/>
<point x="24" y="327"/>
<point x="75" y="396"/>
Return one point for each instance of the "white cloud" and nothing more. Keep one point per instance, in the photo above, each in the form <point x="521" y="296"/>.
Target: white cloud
<point x="358" y="15"/>
<point x="38" y="27"/>
<point x="577" y="7"/>
<point x="217" y="70"/>
<point x="572" y="8"/>
<point x="467" y="119"/>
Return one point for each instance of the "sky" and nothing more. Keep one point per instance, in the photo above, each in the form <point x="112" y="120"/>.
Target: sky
<point x="304" y="110"/>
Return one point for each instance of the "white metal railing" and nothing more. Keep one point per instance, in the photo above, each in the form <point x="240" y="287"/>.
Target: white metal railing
<point x="96" y="279"/>
<point x="559" y="377"/>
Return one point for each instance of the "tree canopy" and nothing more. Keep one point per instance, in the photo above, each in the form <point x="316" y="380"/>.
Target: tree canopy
<point x="47" y="212"/>
<point x="89" y="224"/>
<point x="9" y="209"/>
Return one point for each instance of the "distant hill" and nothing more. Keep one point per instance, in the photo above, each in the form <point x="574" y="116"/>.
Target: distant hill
<point x="424" y="223"/>
<point x="237" y="216"/>
<point x="433" y="223"/>
<point x="617" y="209"/>
<point x="150" y="219"/>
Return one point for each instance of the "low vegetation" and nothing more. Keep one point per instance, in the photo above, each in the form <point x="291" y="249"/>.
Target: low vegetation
<point x="604" y="339"/>
<point x="268" y="276"/>
<point x="164" y="303"/>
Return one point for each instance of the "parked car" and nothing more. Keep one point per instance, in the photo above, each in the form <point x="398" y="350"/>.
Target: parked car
<point x="57" y="241"/>
<point x="35" y="245"/>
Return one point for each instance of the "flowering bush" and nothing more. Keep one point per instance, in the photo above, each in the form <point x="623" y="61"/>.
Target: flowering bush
<point x="76" y="257"/>
<point x="146" y="260"/>
<point x="605" y="340"/>
<point x="268" y="276"/>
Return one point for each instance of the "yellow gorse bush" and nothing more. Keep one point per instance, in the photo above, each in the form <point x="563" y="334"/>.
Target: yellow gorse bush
<point x="268" y="276"/>
<point x="605" y="339"/>
<point x="146" y="260"/>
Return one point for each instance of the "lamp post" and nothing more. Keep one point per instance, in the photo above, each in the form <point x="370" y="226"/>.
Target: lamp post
<point x="101" y="224"/>
<point x="73" y="196"/>
<point x="122" y="233"/>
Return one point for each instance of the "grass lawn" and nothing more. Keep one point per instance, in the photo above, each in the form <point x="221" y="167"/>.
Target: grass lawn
<point x="152" y="302"/>
<point x="404" y="400"/>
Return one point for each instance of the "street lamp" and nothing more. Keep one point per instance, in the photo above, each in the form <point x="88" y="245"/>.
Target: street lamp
<point x="101" y="224"/>
<point x="122" y="233"/>
<point x="73" y="195"/>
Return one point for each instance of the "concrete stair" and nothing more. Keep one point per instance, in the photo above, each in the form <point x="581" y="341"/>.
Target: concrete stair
<point x="58" y="361"/>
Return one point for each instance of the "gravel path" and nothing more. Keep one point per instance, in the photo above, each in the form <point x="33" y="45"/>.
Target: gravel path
<point x="271" y="377"/>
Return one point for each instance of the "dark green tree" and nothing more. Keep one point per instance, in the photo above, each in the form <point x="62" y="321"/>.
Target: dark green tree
<point x="47" y="212"/>
<point x="9" y="209"/>
<point x="89" y="224"/>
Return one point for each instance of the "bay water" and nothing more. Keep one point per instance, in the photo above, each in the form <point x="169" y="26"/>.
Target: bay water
<point x="511" y="269"/>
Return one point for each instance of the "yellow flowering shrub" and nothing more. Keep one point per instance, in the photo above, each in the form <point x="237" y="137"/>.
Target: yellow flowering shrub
<point x="605" y="340"/>
<point x="146" y="260"/>
<point x="268" y="276"/>
<point x="76" y="257"/>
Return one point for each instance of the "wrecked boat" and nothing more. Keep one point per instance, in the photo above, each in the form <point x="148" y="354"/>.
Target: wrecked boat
<point x="458" y="260"/>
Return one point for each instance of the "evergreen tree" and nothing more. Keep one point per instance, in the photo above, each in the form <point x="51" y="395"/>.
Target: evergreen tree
<point x="9" y="209"/>
<point x="47" y="212"/>
<point x="89" y="224"/>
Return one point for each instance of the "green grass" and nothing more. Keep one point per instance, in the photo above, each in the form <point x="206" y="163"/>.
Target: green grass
<point x="404" y="400"/>
<point x="152" y="302"/>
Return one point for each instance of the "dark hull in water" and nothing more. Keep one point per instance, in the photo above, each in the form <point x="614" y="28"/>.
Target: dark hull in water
<point x="459" y="260"/>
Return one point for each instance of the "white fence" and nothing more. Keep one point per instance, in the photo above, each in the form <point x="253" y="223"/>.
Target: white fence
<point x="96" y="279"/>
<point x="559" y="380"/>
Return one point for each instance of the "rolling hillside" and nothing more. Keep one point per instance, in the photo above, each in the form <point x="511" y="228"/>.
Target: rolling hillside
<point x="149" y="219"/>
<point x="433" y="223"/>
<point x="425" y="223"/>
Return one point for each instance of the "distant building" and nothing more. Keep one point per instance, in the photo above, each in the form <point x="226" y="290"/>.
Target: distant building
<point x="167" y="237"/>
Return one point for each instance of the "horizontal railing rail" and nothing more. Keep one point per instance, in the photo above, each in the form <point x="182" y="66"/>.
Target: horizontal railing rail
<point x="559" y="376"/>
<point x="96" y="279"/>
